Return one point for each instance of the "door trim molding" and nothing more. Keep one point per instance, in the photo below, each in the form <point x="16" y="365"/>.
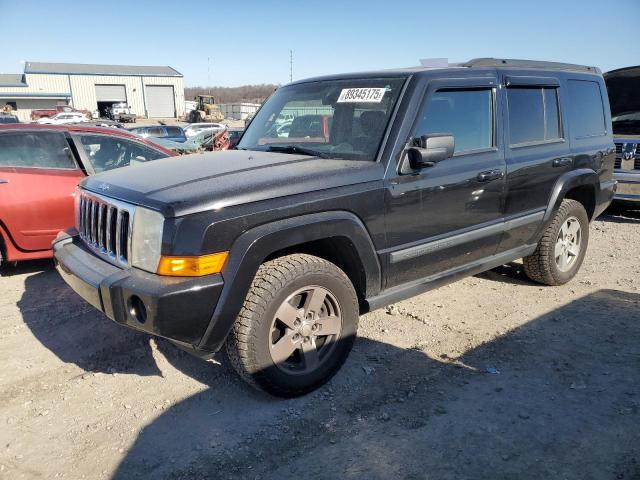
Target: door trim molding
<point x="459" y="237"/>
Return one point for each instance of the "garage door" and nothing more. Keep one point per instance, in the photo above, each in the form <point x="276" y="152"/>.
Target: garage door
<point x="111" y="93"/>
<point x="160" y="101"/>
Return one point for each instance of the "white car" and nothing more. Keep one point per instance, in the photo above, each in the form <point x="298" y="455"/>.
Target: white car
<point x="196" y="128"/>
<point x="62" y="118"/>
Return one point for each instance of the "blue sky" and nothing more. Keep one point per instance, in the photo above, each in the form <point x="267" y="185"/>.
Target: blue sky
<point x="249" y="41"/>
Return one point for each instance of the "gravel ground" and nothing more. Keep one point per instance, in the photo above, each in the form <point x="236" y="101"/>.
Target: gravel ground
<point x="492" y="377"/>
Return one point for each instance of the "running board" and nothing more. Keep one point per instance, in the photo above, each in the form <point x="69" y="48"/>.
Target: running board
<point x="411" y="289"/>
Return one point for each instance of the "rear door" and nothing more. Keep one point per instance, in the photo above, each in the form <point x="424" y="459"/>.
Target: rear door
<point x="38" y="176"/>
<point x="536" y="148"/>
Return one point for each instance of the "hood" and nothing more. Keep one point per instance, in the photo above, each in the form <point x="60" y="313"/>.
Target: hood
<point x="188" y="184"/>
<point x="623" y="86"/>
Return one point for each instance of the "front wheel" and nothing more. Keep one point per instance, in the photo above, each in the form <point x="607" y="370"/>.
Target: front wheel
<point x="296" y="327"/>
<point x="562" y="248"/>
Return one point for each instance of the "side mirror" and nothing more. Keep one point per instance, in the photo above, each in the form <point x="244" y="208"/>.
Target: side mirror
<point x="430" y="149"/>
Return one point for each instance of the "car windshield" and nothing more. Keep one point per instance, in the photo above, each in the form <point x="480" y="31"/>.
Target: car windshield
<point x="330" y="118"/>
<point x="626" y="124"/>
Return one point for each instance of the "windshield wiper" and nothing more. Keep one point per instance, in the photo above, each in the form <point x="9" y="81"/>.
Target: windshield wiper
<point x="296" y="149"/>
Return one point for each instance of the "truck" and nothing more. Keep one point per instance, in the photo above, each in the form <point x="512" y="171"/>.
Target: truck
<point x="273" y="250"/>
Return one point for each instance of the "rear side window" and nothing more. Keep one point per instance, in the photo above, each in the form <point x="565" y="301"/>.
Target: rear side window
<point x="586" y="109"/>
<point x="534" y="115"/>
<point x="155" y="131"/>
<point x="467" y="114"/>
<point x="35" y="150"/>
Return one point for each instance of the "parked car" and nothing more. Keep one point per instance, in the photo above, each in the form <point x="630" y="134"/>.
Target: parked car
<point x="167" y="132"/>
<point x="121" y="112"/>
<point x="8" y="118"/>
<point x="426" y="176"/>
<point x="40" y="166"/>
<point x="205" y="141"/>
<point x="50" y="112"/>
<point x="234" y="136"/>
<point x="624" y="94"/>
<point x="63" y="118"/>
<point x="195" y="128"/>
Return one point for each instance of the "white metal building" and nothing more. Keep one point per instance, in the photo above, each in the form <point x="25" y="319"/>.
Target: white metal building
<point x="238" y="111"/>
<point x="151" y="91"/>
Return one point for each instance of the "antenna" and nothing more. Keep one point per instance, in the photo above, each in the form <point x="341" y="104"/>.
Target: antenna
<point x="290" y="65"/>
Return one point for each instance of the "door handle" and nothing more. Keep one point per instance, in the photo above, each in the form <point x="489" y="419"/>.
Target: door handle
<point x="2" y="180"/>
<point x="562" y="162"/>
<point x="490" y="175"/>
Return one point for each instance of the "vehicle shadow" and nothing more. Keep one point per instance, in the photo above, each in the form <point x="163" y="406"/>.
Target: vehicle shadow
<point x="76" y="332"/>
<point x="621" y="216"/>
<point x="29" y="266"/>
<point x="558" y="397"/>
<point x="508" y="273"/>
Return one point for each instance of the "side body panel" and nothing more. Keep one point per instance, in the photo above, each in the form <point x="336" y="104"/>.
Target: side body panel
<point x="36" y="204"/>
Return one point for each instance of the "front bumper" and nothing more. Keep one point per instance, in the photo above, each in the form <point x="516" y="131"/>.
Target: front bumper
<point x="628" y="187"/>
<point x="176" y="308"/>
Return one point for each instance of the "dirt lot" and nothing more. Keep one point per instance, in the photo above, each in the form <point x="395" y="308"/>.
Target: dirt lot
<point x="492" y="377"/>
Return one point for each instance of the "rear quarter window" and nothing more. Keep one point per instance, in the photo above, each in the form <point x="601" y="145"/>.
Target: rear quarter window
<point x="586" y="109"/>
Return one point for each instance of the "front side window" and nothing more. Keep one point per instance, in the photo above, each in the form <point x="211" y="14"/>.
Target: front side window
<point x="35" y="150"/>
<point x="534" y="115"/>
<point x="466" y="114"/>
<point x="333" y="118"/>
<point x="174" y="131"/>
<point x="586" y="109"/>
<point x="109" y="152"/>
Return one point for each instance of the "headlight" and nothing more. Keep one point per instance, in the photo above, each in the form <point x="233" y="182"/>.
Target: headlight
<point x="76" y="207"/>
<point x="146" y="241"/>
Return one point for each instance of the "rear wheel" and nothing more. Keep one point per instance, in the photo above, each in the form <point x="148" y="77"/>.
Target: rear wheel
<point x="296" y="327"/>
<point x="562" y="248"/>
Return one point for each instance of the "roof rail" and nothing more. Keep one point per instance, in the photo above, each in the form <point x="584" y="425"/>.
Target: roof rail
<point x="509" y="62"/>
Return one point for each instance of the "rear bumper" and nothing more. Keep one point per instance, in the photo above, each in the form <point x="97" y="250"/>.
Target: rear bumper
<point x="179" y="309"/>
<point x="604" y="196"/>
<point x="628" y="187"/>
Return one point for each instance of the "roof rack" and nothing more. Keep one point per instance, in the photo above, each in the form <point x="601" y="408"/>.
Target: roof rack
<point x="509" y="62"/>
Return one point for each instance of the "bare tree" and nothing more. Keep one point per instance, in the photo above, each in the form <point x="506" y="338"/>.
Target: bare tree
<point x="245" y="93"/>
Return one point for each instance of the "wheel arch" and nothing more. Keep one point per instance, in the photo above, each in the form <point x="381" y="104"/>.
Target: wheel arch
<point x="337" y="236"/>
<point x="580" y="185"/>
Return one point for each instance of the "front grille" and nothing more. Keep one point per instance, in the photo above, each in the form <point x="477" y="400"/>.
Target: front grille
<point x="105" y="225"/>
<point x="636" y="159"/>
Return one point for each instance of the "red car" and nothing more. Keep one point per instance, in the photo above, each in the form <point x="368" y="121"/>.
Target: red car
<point x="40" y="166"/>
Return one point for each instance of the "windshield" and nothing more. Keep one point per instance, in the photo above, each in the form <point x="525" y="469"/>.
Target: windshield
<point x="331" y="118"/>
<point x="626" y="124"/>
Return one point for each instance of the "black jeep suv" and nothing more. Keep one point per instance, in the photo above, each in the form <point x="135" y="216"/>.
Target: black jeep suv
<point x="386" y="184"/>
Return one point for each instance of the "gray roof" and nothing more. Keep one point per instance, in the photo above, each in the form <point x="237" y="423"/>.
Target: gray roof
<point x="11" y="80"/>
<point x="90" y="69"/>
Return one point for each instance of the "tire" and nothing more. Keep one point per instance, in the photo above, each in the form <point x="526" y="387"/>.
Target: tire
<point x="298" y="303"/>
<point x="544" y="265"/>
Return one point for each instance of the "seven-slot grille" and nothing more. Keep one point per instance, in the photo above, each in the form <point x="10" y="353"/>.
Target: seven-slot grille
<point x="618" y="161"/>
<point x="105" y="225"/>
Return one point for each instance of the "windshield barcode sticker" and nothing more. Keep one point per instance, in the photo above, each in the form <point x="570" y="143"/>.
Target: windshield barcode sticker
<point x="361" y="95"/>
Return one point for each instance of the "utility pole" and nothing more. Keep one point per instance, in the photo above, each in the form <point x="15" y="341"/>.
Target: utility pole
<point x="209" y="75"/>
<point x="290" y="65"/>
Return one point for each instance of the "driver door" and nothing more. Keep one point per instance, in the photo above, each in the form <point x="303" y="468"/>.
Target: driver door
<point x="448" y="215"/>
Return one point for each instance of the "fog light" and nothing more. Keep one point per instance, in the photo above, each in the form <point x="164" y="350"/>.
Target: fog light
<point x="137" y="309"/>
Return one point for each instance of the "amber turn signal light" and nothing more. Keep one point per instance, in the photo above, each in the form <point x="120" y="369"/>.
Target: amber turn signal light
<point x="192" y="266"/>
